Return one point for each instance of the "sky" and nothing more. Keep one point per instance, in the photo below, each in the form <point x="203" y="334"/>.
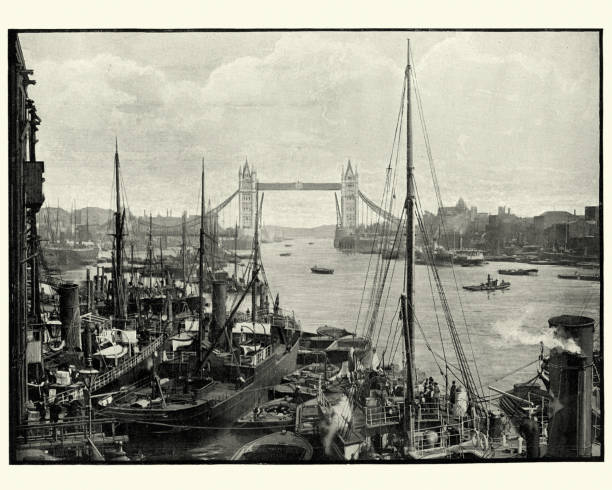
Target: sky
<point x="512" y="118"/>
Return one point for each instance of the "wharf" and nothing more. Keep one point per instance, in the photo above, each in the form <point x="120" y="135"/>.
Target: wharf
<point x="70" y="437"/>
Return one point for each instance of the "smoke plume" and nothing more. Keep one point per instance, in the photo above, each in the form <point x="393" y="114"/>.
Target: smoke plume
<point x="524" y="330"/>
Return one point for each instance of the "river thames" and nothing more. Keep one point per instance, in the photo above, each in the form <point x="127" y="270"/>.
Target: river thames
<point x="504" y="328"/>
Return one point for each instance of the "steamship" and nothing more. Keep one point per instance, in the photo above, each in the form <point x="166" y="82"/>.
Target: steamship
<point x="229" y="370"/>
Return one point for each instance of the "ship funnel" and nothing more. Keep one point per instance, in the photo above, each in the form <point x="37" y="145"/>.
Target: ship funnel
<point x="571" y="386"/>
<point x="70" y="315"/>
<point x="218" y="305"/>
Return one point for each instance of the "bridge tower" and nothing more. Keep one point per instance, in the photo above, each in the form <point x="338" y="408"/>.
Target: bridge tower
<point x="247" y="187"/>
<point x="349" y="198"/>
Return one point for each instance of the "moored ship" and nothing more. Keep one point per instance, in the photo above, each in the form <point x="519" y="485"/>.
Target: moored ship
<point x="65" y="256"/>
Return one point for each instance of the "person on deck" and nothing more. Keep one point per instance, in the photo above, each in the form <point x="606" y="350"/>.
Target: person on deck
<point x="54" y="416"/>
<point x="74" y="407"/>
<point x="453" y="395"/>
<point x="436" y="395"/>
<point x="42" y="410"/>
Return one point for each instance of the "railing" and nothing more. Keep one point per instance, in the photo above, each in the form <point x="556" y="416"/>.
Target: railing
<point x="69" y="428"/>
<point x="178" y="356"/>
<point x="446" y="438"/>
<point x="430" y="411"/>
<point x="111" y="375"/>
<point x="261" y="355"/>
<point x="322" y="399"/>
<point x="540" y="415"/>
<point x="250" y="361"/>
<point x="384" y="415"/>
<point x="91" y="318"/>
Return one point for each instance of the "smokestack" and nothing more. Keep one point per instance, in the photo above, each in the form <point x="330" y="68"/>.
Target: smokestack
<point x="70" y="316"/>
<point x="218" y="305"/>
<point x="571" y="386"/>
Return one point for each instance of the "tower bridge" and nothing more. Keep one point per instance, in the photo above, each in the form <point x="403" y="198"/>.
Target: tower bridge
<point x="347" y="208"/>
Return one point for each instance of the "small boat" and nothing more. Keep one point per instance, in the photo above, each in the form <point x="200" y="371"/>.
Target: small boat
<point x="285" y="254"/>
<point x="310" y="243"/>
<point x="288" y="245"/>
<point x="580" y="277"/>
<point x="274" y="448"/>
<point x="277" y="414"/>
<point x="517" y="272"/>
<point x="484" y="287"/>
<point x="489" y="285"/>
<point x="321" y="270"/>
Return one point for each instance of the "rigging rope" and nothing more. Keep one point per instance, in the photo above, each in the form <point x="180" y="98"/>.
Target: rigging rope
<point x="440" y="203"/>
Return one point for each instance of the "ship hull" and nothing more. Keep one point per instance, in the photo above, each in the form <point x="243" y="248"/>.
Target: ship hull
<point x="205" y="413"/>
<point x="69" y="257"/>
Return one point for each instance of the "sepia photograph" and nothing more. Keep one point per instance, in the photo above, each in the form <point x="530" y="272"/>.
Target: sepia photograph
<point x="305" y="246"/>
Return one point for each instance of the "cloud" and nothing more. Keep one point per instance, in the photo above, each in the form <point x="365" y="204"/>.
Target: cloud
<point x="300" y="104"/>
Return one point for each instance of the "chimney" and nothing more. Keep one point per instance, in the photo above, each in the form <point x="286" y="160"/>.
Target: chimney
<point x="571" y="386"/>
<point x="218" y="306"/>
<point x="70" y="315"/>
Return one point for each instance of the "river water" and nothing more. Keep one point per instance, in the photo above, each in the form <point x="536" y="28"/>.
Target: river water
<point x="502" y="331"/>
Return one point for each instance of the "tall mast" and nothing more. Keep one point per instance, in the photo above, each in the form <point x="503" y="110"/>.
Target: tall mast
<point x="57" y="223"/>
<point x="236" y="253"/>
<point x="118" y="240"/>
<point x="132" y="262"/>
<point x="184" y="249"/>
<point x="150" y="251"/>
<point x="161" y="260"/>
<point x="201" y="278"/>
<point x="409" y="313"/>
<point x="87" y="222"/>
<point x="212" y="238"/>
<point x="255" y="258"/>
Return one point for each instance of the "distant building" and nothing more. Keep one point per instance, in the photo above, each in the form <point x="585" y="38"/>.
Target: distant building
<point x="592" y="213"/>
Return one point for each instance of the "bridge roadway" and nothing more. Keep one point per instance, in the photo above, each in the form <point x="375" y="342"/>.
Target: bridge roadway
<point x="193" y="224"/>
<point x="298" y="186"/>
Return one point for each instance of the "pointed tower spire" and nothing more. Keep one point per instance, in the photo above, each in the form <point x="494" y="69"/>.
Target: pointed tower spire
<point x="349" y="168"/>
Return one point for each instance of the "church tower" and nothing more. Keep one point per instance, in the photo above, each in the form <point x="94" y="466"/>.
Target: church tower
<point x="247" y="186"/>
<point x="349" y="198"/>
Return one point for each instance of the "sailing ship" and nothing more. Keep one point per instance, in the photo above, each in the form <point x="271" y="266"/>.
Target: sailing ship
<point x="231" y="368"/>
<point x="378" y="401"/>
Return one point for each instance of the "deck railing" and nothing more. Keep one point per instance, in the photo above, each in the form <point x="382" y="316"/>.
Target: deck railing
<point x="67" y="428"/>
<point x="112" y="374"/>
<point x="178" y="356"/>
<point x="379" y="416"/>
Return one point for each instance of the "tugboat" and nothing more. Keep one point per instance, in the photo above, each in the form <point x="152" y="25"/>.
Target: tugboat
<point x="285" y="254"/>
<point x="490" y="285"/>
<point x="321" y="270"/>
